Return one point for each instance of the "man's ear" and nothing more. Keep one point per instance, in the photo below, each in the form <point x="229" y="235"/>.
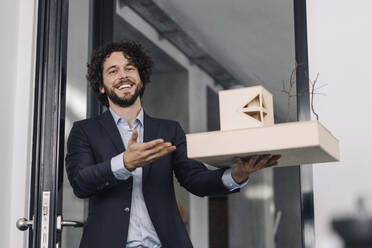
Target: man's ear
<point x="101" y="89"/>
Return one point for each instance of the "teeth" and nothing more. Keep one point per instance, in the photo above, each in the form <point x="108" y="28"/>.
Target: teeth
<point x="124" y="86"/>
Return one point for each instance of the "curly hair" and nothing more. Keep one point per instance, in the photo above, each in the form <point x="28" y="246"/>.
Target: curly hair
<point x="133" y="51"/>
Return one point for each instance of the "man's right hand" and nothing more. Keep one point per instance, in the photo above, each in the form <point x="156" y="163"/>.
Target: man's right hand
<point x="141" y="154"/>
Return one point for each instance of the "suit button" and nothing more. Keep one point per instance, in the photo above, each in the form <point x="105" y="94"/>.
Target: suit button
<point x="126" y="210"/>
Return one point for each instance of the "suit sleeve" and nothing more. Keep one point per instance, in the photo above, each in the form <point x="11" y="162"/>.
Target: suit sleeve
<point x="193" y="175"/>
<point x="86" y="176"/>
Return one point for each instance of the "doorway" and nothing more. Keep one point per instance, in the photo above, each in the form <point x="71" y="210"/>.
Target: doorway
<point x="63" y="97"/>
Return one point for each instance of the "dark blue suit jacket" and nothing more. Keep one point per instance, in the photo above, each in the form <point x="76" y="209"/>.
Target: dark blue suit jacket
<point x="91" y="145"/>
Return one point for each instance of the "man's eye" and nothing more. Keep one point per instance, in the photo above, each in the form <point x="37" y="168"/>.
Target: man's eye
<point x="130" y="68"/>
<point x="112" y="72"/>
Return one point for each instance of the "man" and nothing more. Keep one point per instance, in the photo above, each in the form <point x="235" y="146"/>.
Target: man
<point x="124" y="160"/>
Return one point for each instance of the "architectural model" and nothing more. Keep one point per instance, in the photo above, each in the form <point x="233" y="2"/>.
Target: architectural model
<point x="246" y="108"/>
<point x="247" y="128"/>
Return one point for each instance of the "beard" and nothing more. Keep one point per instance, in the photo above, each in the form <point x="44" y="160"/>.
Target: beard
<point x="123" y="101"/>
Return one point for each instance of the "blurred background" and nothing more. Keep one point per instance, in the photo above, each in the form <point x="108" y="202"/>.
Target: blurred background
<point x="339" y="50"/>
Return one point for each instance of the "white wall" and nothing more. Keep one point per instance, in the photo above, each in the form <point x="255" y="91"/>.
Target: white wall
<point x="340" y="49"/>
<point x="17" y="46"/>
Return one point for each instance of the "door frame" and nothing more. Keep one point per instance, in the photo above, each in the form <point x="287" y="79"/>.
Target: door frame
<point x="48" y="123"/>
<point x="305" y="172"/>
<point x="49" y="109"/>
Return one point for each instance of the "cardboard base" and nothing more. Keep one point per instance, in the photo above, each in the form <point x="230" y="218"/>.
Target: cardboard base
<point x="298" y="142"/>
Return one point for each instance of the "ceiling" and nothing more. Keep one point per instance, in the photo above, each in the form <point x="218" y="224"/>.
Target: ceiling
<point x="252" y="39"/>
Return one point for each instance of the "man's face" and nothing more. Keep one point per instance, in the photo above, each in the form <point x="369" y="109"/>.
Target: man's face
<point x="121" y="80"/>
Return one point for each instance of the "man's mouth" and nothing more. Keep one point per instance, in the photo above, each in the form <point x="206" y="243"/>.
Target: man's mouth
<point x="124" y="87"/>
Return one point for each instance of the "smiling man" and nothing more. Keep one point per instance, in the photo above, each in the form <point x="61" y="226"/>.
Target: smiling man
<point x="124" y="160"/>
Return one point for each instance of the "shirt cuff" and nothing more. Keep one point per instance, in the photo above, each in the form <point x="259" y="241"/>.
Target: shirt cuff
<point x="229" y="181"/>
<point x="118" y="168"/>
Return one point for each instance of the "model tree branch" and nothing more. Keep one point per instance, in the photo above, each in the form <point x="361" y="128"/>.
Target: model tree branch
<point x="288" y="92"/>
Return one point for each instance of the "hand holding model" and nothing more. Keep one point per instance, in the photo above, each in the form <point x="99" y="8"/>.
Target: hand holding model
<point x="247" y="165"/>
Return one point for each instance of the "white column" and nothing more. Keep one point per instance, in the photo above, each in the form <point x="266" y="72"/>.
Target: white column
<point x="18" y="26"/>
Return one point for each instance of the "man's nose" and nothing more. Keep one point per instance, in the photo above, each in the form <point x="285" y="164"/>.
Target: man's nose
<point x="123" y="74"/>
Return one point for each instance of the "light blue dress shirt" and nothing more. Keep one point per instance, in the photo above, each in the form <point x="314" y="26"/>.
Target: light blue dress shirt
<point x="141" y="232"/>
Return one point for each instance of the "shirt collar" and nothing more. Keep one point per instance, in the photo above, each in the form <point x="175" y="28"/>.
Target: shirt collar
<point x="118" y="119"/>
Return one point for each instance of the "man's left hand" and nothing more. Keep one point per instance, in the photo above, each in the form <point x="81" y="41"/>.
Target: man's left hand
<point x="247" y="165"/>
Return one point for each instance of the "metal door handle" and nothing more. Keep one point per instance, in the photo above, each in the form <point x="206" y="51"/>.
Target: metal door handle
<point x="61" y="223"/>
<point x="23" y="224"/>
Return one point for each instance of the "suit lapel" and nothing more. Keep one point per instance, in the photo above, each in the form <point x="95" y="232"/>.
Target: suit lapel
<point x="150" y="133"/>
<point x="108" y="122"/>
